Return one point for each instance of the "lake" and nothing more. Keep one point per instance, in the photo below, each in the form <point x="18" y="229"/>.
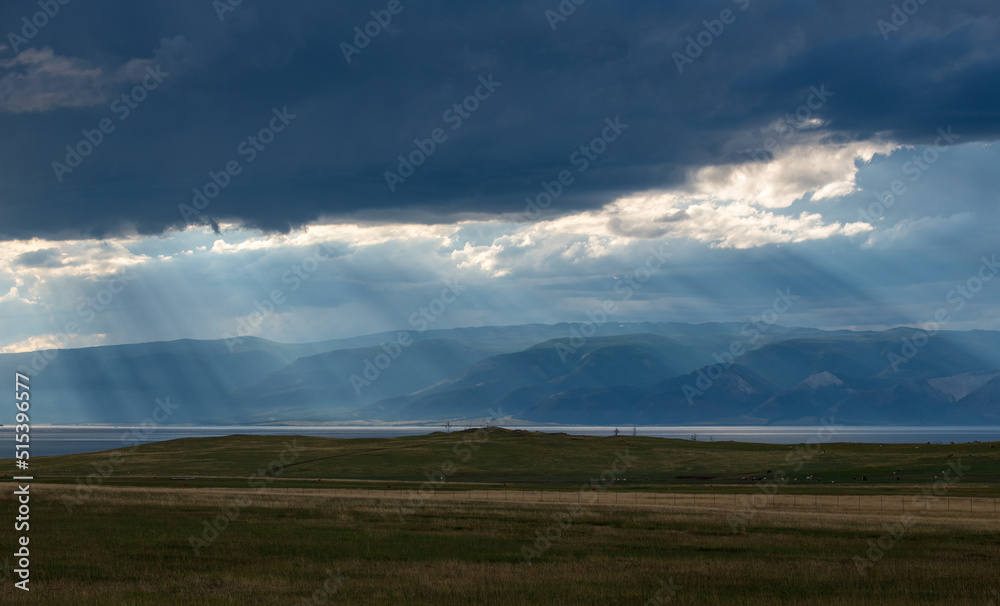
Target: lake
<point x="52" y="440"/>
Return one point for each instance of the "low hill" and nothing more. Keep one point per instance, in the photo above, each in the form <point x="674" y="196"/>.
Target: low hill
<point x="499" y="455"/>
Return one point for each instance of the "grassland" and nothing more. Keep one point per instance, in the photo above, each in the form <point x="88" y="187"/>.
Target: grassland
<point x="224" y="539"/>
<point x="531" y="459"/>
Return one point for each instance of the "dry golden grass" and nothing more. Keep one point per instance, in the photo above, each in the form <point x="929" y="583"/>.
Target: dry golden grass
<point x="129" y="545"/>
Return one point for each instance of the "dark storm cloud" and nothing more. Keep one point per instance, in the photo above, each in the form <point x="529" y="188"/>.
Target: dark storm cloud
<point x="352" y="120"/>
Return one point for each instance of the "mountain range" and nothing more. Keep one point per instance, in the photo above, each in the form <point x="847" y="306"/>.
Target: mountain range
<point x="617" y="373"/>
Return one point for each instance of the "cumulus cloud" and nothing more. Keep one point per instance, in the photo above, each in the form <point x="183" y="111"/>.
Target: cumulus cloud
<point x="557" y="91"/>
<point x="722" y="207"/>
<point x="78" y="258"/>
<point x="809" y="167"/>
<point x="686" y="175"/>
<point x="730" y="206"/>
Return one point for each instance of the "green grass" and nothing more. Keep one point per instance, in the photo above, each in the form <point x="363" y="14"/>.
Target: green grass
<point x="129" y="540"/>
<point x="531" y="459"/>
<point x="129" y="545"/>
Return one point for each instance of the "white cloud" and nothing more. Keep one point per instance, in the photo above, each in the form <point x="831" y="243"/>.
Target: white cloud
<point x="808" y="167"/>
<point x="214" y="279"/>
<point x="353" y="234"/>
<point x="73" y="258"/>
<point x="725" y="207"/>
<point x="631" y="223"/>
<point x="54" y="341"/>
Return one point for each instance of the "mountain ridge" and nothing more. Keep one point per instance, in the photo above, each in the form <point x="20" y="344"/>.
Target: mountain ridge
<point x="639" y="372"/>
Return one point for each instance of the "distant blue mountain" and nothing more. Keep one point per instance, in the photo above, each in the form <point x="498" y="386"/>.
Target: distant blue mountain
<point x="620" y="373"/>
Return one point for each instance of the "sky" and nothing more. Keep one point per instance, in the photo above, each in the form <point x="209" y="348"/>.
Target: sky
<point x="314" y="170"/>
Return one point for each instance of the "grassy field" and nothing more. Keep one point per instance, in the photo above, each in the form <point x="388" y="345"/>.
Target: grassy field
<point x="238" y="535"/>
<point x="520" y="458"/>
<point x="133" y="546"/>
